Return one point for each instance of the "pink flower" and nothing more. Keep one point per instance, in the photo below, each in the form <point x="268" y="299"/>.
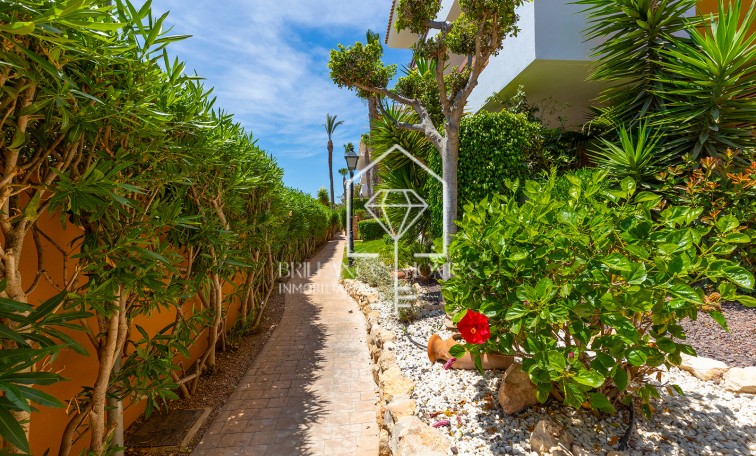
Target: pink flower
<point x="441" y="423"/>
<point x="450" y="363"/>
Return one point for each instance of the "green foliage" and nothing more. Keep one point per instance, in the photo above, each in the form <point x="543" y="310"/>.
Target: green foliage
<point x="323" y="197"/>
<point x="708" y="83"/>
<point x="176" y="201"/>
<point x="396" y="171"/>
<point x="359" y="66"/>
<point x="720" y="187"/>
<point x="690" y="80"/>
<point x="589" y="291"/>
<point x="34" y="337"/>
<point x="631" y="37"/>
<point x="639" y="156"/>
<point x="373" y="272"/>
<point x="370" y="230"/>
<point x="493" y="147"/>
<point x="581" y="176"/>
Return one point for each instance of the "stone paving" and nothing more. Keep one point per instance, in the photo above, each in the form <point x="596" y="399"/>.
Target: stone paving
<point x="310" y="391"/>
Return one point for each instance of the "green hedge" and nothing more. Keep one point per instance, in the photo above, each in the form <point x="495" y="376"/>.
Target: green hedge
<point x="492" y="147"/>
<point x="370" y="230"/>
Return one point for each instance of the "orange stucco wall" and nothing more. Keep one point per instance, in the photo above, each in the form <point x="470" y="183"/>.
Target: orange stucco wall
<point x="48" y="424"/>
<point x="712" y="6"/>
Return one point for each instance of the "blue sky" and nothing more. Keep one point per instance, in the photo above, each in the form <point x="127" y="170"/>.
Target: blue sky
<point x="268" y="62"/>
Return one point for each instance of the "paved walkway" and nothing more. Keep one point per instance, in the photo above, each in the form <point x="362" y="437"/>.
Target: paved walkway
<point x="310" y="391"/>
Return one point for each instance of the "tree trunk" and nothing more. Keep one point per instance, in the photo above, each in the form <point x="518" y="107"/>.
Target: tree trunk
<point x="450" y="157"/>
<point x="330" y="168"/>
<point x="14" y="290"/>
<point x="374" y="115"/>
<point x="114" y="333"/>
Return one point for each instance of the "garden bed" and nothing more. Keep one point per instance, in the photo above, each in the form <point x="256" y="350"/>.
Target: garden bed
<point x="214" y="389"/>
<point x="707" y="420"/>
<point x="736" y="348"/>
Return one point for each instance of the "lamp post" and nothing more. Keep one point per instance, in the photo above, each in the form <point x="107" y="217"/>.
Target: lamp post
<point x="351" y="159"/>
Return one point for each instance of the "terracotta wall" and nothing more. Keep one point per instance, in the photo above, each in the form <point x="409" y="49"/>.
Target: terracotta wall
<point x="48" y="424"/>
<point x="712" y="6"/>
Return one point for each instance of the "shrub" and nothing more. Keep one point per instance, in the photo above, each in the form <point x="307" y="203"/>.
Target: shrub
<point x="590" y="291"/>
<point x="584" y="176"/>
<point x="323" y="197"/>
<point x="370" y="230"/>
<point x="719" y="187"/>
<point x="492" y="147"/>
<point x="373" y="272"/>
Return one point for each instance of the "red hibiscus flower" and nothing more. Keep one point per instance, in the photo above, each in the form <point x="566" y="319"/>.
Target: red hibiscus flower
<point x="474" y="327"/>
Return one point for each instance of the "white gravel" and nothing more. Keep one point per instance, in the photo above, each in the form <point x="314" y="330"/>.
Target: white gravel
<point x="708" y="420"/>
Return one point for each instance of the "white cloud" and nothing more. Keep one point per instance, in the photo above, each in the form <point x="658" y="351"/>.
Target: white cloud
<point x="267" y="60"/>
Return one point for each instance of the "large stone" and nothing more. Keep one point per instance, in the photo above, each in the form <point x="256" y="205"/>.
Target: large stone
<point x="412" y="437"/>
<point x="393" y="384"/>
<point x="400" y="407"/>
<point x="384" y="443"/>
<point x="387" y="360"/>
<point x="550" y="438"/>
<point x="517" y="391"/>
<point x="704" y="368"/>
<point x="741" y="380"/>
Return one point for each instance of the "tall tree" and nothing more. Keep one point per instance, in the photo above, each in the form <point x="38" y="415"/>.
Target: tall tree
<point x="330" y="126"/>
<point x="477" y="33"/>
<point x="373" y="116"/>
<point x="343" y="172"/>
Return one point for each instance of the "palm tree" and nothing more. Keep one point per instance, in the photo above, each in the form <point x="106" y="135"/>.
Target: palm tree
<point x="344" y="172"/>
<point x="330" y="126"/>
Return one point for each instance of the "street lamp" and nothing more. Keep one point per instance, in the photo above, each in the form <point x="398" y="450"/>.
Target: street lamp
<point x="351" y="159"/>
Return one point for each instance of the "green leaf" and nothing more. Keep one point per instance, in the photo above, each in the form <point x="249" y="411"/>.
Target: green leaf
<point x="747" y="301"/>
<point x="39" y="397"/>
<point x="12" y="432"/>
<point x="620" y="379"/>
<point x="618" y="262"/>
<point x="628" y="185"/>
<point x="685" y="292"/>
<point x="736" y="238"/>
<point x="18" y="28"/>
<point x="457" y="350"/>
<point x="727" y="223"/>
<point x="556" y="361"/>
<point x="739" y="276"/>
<point x="600" y="402"/>
<point x="636" y="357"/>
<point x="719" y="318"/>
<point x="666" y="345"/>
<point x="590" y="378"/>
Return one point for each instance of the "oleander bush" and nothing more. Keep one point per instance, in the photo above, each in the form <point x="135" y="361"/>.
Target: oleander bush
<point x="173" y="203"/>
<point x="590" y="290"/>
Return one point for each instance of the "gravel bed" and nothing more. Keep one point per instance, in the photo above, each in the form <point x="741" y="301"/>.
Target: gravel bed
<point x="736" y="348"/>
<point x="706" y="421"/>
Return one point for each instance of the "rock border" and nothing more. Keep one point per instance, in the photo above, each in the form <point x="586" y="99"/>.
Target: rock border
<point x="740" y="380"/>
<point x="402" y="432"/>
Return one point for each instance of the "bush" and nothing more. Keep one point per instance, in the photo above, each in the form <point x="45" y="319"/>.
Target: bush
<point x="590" y="291"/>
<point x="585" y="176"/>
<point x="373" y="272"/>
<point x="492" y="147"/>
<point x="370" y="230"/>
<point x="719" y="187"/>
